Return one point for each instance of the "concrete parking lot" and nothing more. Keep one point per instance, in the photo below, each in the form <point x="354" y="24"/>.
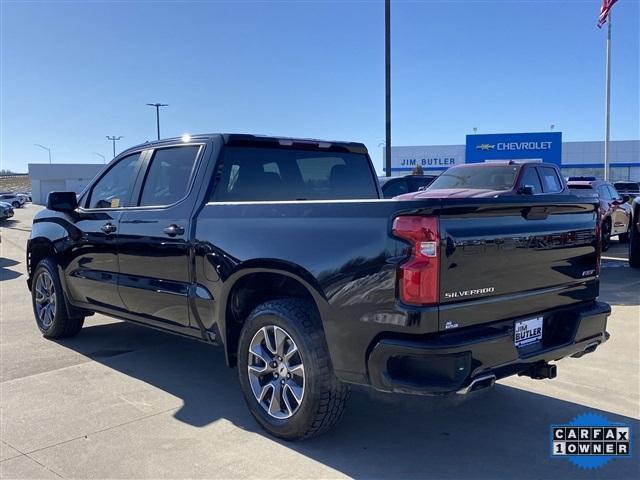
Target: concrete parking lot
<point x="122" y="401"/>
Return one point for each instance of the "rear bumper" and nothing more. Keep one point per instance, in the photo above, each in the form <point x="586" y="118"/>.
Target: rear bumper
<point x="444" y="363"/>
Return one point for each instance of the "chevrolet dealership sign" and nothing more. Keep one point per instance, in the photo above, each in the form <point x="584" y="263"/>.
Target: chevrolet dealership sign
<point x="545" y="146"/>
<point x="515" y="146"/>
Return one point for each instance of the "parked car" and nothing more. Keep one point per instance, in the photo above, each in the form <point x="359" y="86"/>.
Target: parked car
<point x="495" y="179"/>
<point x="6" y="210"/>
<point x="282" y="251"/>
<point x="27" y="196"/>
<point x="13" y="199"/>
<point x="394" y="186"/>
<point x="632" y="189"/>
<point x="614" y="209"/>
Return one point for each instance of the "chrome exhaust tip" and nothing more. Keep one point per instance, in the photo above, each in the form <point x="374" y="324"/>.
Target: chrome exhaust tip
<point x="478" y="383"/>
<point x="588" y="349"/>
<point x="540" y="371"/>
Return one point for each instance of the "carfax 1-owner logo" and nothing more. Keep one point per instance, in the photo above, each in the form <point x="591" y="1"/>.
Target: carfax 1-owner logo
<point x="591" y="441"/>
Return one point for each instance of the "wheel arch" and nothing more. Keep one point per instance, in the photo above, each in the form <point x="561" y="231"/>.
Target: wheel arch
<point x="38" y="249"/>
<point x="255" y="283"/>
<point x="48" y="238"/>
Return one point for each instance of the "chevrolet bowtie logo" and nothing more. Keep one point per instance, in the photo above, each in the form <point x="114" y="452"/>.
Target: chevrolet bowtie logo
<point x="485" y="146"/>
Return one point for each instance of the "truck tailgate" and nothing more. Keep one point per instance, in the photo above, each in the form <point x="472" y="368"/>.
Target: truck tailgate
<point x="508" y="258"/>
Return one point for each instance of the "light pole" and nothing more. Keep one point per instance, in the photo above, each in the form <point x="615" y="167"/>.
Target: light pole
<point x="387" y="86"/>
<point x="45" y="148"/>
<point x="104" y="159"/>
<point x="114" y="139"/>
<point x="157" y="106"/>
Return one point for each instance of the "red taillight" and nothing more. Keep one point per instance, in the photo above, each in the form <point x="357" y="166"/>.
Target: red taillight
<point x="418" y="278"/>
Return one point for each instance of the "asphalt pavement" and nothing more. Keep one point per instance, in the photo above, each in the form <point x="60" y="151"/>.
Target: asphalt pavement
<point x="123" y="401"/>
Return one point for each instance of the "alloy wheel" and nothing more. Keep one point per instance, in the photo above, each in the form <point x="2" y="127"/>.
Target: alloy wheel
<point x="276" y="372"/>
<point x="45" y="299"/>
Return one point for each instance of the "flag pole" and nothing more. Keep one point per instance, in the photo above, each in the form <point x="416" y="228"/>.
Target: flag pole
<point x="607" y="107"/>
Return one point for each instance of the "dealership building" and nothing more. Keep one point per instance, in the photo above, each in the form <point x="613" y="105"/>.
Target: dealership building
<point x="59" y="177"/>
<point x="574" y="158"/>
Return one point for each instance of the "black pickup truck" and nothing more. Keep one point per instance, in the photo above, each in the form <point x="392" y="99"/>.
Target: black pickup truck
<point x="283" y="252"/>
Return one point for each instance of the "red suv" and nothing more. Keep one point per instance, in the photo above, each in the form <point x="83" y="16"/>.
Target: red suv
<point x="615" y="211"/>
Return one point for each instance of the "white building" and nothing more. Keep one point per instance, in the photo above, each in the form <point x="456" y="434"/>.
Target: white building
<point x="60" y="177"/>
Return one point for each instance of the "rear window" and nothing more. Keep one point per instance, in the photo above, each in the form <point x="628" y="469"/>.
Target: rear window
<point x="582" y="190"/>
<point x="419" y="182"/>
<point x="394" y="188"/>
<point x="627" y="186"/>
<point x="271" y="174"/>
<point x="481" y="177"/>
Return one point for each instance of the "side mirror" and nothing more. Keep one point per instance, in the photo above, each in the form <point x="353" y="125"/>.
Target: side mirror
<point x="526" y="190"/>
<point x="65" y="202"/>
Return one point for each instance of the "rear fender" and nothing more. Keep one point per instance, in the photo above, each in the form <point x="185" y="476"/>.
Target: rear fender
<point x="272" y="266"/>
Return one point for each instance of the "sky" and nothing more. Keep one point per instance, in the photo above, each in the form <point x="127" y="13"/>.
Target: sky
<point x="73" y="72"/>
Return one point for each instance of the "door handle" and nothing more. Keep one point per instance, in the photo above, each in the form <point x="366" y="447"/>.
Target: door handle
<point x="173" y="230"/>
<point x="108" y="228"/>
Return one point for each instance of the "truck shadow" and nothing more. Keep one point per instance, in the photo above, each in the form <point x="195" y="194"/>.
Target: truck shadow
<point x="503" y="432"/>
<point x="12" y="224"/>
<point x="619" y="284"/>
<point x="6" y="273"/>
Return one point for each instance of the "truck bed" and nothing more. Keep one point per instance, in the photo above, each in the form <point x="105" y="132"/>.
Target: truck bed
<point x="500" y="259"/>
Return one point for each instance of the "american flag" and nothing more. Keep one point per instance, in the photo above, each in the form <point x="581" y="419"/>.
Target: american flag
<point x="604" y="11"/>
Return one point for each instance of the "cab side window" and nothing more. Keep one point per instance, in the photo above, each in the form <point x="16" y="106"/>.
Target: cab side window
<point x="550" y="181"/>
<point x="604" y="192"/>
<point x="168" y="175"/>
<point x="113" y="190"/>
<point x="530" y="177"/>
<point x="614" y="193"/>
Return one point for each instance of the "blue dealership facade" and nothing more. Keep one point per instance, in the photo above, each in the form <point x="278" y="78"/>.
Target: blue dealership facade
<point x="574" y="158"/>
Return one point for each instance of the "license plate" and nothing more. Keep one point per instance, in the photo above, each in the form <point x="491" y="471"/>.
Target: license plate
<point x="528" y="332"/>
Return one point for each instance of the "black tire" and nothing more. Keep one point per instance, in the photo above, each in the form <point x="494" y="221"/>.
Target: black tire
<point x="634" y="247"/>
<point x="15" y="204"/>
<point x="58" y="323"/>
<point x="606" y="235"/>
<point x="324" y="397"/>
<point x="624" y="237"/>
